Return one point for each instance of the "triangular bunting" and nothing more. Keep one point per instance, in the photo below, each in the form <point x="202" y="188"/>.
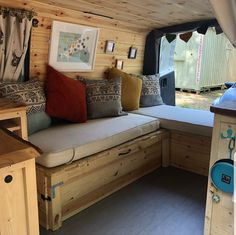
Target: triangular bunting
<point x="170" y="37"/>
<point x="202" y="29"/>
<point x="186" y="36"/>
<point x="218" y="29"/>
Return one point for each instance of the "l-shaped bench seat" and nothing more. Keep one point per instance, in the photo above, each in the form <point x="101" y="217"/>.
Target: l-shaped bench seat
<point x="190" y="135"/>
<point x="83" y="163"/>
<point x="197" y="122"/>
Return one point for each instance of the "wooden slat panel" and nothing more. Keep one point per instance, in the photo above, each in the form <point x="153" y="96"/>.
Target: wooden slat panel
<point x="123" y="33"/>
<point x="190" y="152"/>
<point x="90" y="179"/>
<point x="149" y="13"/>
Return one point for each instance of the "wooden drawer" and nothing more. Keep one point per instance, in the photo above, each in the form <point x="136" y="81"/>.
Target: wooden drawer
<point x="64" y="191"/>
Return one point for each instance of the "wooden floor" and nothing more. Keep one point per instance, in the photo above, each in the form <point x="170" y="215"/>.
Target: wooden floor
<point x="168" y="201"/>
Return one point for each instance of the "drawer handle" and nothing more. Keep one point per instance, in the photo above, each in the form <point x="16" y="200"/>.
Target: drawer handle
<point x="8" y="179"/>
<point x="124" y="153"/>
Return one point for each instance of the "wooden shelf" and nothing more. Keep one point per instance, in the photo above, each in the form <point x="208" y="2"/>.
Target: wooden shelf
<point x="10" y="125"/>
<point x="13" y="117"/>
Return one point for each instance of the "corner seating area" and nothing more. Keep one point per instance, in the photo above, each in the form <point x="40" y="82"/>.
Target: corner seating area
<point x="84" y="160"/>
<point x="121" y="150"/>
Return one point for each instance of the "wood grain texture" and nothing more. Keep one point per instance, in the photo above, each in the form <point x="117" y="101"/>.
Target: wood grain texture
<point x="124" y="33"/>
<point x="13" y="117"/>
<point x="74" y="187"/>
<point x="18" y="206"/>
<point x="147" y="14"/>
<point x="190" y="152"/>
<point x="219" y="217"/>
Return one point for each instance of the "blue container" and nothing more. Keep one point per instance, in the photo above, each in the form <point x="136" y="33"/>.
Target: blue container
<point x="222" y="175"/>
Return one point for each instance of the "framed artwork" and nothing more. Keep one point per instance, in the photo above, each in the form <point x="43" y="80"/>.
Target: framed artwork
<point x="119" y="64"/>
<point x="110" y="46"/>
<point x="132" y="52"/>
<point x="73" y="47"/>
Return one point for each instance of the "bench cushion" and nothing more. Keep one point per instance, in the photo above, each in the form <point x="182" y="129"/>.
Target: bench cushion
<point x="69" y="142"/>
<point x="182" y="119"/>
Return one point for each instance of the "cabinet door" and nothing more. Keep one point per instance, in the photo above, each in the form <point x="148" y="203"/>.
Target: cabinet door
<point x="219" y="215"/>
<point x="18" y="204"/>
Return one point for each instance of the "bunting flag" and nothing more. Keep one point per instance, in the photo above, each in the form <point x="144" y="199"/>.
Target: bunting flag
<point x="202" y="29"/>
<point x="186" y="36"/>
<point x="170" y="37"/>
<point x="218" y="29"/>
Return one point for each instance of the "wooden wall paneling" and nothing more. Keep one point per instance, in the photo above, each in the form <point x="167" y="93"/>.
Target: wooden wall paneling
<point x="122" y="32"/>
<point x="104" y="8"/>
<point x="60" y="13"/>
<point x="154" y="13"/>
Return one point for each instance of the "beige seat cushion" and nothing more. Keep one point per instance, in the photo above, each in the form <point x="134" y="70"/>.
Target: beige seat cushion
<point x="182" y="119"/>
<point x="69" y="142"/>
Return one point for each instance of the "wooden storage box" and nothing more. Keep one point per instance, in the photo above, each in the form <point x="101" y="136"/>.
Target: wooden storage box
<point x="190" y="152"/>
<point x="18" y="194"/>
<point x="65" y="190"/>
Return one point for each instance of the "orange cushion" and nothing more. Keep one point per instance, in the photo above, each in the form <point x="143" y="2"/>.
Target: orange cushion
<point x="130" y="89"/>
<point x="65" y="97"/>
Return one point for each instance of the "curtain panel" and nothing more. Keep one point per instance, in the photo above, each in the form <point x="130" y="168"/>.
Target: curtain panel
<point x="15" y="28"/>
<point x="225" y="12"/>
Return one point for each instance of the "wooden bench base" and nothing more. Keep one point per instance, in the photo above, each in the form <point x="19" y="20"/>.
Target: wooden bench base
<point x="190" y="152"/>
<point x="65" y="190"/>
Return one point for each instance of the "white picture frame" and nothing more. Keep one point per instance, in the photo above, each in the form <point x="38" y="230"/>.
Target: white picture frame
<point x="73" y="47"/>
<point x="110" y="47"/>
<point x="119" y="64"/>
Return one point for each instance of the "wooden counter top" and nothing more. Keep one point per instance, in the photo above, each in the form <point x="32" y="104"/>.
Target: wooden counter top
<point x="227" y="108"/>
<point x="6" y="104"/>
<point x="13" y="149"/>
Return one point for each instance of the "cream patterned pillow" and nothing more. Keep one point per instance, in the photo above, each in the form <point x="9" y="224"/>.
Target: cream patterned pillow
<point x="31" y="93"/>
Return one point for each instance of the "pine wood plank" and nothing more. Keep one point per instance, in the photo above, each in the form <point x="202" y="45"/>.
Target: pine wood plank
<point x="74" y="187"/>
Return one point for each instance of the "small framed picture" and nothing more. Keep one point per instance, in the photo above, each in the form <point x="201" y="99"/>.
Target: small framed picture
<point x="110" y="46"/>
<point x="132" y="52"/>
<point x="119" y="64"/>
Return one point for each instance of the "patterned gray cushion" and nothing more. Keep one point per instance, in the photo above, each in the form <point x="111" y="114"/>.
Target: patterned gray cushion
<point x="31" y="93"/>
<point x="103" y="98"/>
<point x="151" y="93"/>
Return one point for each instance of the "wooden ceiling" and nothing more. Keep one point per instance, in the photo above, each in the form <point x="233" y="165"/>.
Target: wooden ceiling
<point x="146" y="14"/>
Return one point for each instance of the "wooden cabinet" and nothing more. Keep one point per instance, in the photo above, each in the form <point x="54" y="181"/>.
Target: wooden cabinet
<point x="18" y="204"/>
<point x="13" y="117"/>
<point x="219" y="219"/>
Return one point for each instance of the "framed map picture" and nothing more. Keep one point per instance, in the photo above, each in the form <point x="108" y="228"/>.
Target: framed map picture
<point x="73" y="47"/>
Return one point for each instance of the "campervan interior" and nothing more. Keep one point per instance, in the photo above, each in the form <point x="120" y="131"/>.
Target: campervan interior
<point x="91" y="139"/>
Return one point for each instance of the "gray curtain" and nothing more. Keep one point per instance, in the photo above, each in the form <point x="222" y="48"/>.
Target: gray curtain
<point x="15" y="28"/>
<point x="225" y="12"/>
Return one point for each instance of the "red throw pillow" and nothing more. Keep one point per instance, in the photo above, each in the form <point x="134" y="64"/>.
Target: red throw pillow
<point x="65" y="97"/>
